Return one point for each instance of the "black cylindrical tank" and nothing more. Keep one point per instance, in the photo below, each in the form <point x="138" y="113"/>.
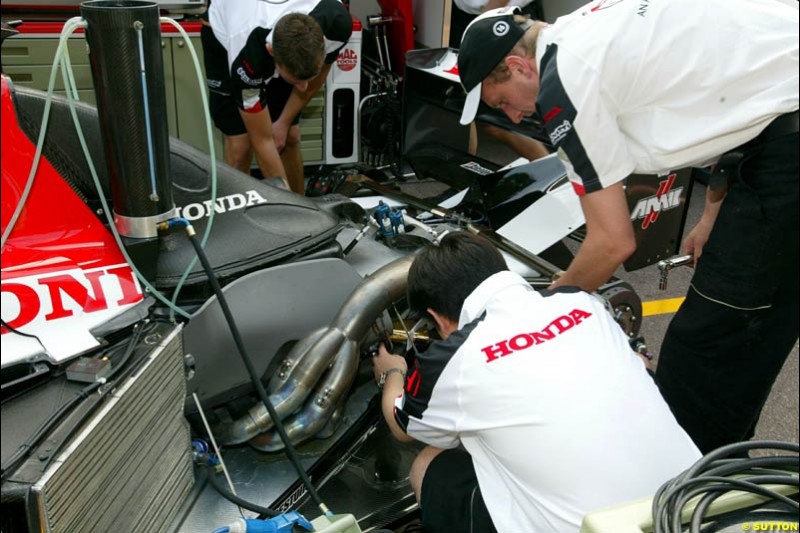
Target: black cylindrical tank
<point x="141" y="198"/>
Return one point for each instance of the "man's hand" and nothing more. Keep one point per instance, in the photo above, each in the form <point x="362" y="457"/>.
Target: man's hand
<point x="696" y="239"/>
<point x="386" y="360"/>
<point x="280" y="130"/>
<point x="259" y="130"/>
<point x="609" y="239"/>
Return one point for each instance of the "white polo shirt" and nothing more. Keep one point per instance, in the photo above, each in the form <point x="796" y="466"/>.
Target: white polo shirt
<point x="650" y="86"/>
<point x="558" y="413"/>
<point x="244" y="28"/>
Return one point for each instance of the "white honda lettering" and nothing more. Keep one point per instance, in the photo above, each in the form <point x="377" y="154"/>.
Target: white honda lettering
<point x="191" y="211"/>
<point x="224" y="204"/>
<point x="219" y="207"/>
<point x="236" y="201"/>
<point x="253" y="198"/>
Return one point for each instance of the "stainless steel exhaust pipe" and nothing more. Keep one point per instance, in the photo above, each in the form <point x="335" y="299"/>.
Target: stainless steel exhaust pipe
<point x="320" y="405"/>
<point x="337" y="345"/>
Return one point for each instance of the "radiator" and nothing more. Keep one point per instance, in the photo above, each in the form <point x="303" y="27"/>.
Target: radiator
<point x="130" y="467"/>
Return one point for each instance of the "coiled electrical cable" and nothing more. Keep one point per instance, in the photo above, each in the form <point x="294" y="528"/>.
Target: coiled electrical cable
<point x="721" y="472"/>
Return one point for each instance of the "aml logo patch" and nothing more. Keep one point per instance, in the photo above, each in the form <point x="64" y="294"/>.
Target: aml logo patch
<point x="648" y="209"/>
<point x="472" y="166"/>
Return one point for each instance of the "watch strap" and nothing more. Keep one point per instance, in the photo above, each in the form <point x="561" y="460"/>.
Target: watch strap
<point x="386" y="373"/>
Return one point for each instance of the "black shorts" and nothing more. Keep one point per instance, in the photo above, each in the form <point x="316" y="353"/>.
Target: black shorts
<point x="221" y="105"/>
<point x="451" y="500"/>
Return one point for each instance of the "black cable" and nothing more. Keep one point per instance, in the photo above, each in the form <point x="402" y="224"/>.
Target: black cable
<point x="709" y="477"/>
<point x="737" y="448"/>
<point x="726" y="484"/>
<point x="55" y="418"/>
<point x="27" y="447"/>
<point x="107" y="385"/>
<point x="757" y="465"/>
<point x="233" y="498"/>
<point x="133" y="340"/>
<point x="251" y="370"/>
<point x="702" y="507"/>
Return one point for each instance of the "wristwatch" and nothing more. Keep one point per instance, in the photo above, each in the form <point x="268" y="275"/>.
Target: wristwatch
<point x="385" y="374"/>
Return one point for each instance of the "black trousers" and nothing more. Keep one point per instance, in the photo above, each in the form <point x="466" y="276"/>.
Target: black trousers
<point x="727" y="343"/>
<point x="451" y="500"/>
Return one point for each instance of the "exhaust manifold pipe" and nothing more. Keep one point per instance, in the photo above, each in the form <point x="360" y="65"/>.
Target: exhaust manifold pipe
<point x="330" y="351"/>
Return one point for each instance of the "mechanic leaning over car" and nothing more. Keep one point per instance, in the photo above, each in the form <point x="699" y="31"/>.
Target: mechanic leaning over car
<point x="558" y="416"/>
<point x="463" y="12"/>
<point x="624" y="87"/>
<point x="264" y="61"/>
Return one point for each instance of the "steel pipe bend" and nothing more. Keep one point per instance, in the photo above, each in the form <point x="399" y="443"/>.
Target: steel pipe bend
<point x="327" y="396"/>
<point x="333" y="349"/>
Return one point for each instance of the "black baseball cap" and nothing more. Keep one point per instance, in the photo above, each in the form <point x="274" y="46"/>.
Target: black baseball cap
<point x="485" y="43"/>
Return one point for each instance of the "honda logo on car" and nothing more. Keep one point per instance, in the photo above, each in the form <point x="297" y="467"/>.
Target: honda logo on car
<point x="222" y="205"/>
<point x="56" y="295"/>
<point x="664" y="200"/>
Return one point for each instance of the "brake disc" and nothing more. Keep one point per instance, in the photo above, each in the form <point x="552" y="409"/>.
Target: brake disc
<point x="625" y="304"/>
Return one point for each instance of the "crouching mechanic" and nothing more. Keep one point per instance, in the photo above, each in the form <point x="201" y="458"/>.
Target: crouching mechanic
<point x="264" y="62"/>
<point x="557" y="414"/>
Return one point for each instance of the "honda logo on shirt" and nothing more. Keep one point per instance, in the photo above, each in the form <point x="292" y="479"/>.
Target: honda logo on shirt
<point x="527" y="339"/>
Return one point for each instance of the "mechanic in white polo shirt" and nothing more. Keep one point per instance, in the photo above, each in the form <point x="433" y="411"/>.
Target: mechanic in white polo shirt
<point x="628" y="86"/>
<point x="556" y="412"/>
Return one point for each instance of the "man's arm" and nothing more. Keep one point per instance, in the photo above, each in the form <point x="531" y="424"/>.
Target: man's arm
<point x="391" y="390"/>
<point x="494" y="4"/>
<point x="296" y="103"/>
<point x="609" y="239"/>
<point x="395" y="382"/>
<point x="259" y="130"/>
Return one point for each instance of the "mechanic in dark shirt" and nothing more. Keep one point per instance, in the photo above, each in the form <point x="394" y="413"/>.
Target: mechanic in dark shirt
<point x="264" y="62"/>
